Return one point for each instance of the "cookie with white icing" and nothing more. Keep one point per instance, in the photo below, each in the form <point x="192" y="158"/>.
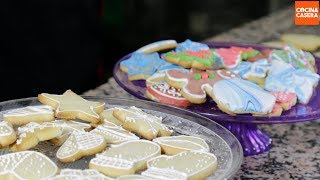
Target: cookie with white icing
<point x="86" y="174"/>
<point x="141" y="123"/>
<point x="26" y="165"/>
<point x="185" y="165"/>
<point x="7" y="134"/>
<point x="126" y="158"/>
<point x="69" y="105"/>
<point x="107" y="116"/>
<point x="176" y="144"/>
<point x="158" y="46"/>
<point x="134" y="177"/>
<point x="32" y="133"/>
<point x="80" y="144"/>
<point x="21" y="116"/>
<point x="67" y="127"/>
<point x="114" y="134"/>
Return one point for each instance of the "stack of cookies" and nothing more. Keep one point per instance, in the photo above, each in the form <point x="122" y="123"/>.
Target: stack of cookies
<point x="128" y="143"/>
<point x="239" y="80"/>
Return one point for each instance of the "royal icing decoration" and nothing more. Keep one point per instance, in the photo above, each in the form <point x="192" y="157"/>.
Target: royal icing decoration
<point x="190" y="45"/>
<point x="28" y="114"/>
<point x="166" y="94"/>
<point x="257" y="69"/>
<point x="192" y="164"/>
<point x="32" y="133"/>
<point x="158" y="46"/>
<point x="299" y="59"/>
<point x="191" y="58"/>
<point x="26" y="165"/>
<point x="241" y="96"/>
<point x="80" y="144"/>
<point x="246" y="53"/>
<point x="114" y="134"/>
<point x="166" y="173"/>
<point x="175" y="144"/>
<point x="226" y="58"/>
<point x="107" y="117"/>
<point x="67" y="127"/>
<point x="143" y="124"/>
<point x="72" y="106"/>
<point x="7" y="134"/>
<point x="80" y="174"/>
<point x="264" y="54"/>
<point x="140" y="64"/>
<point x="126" y="158"/>
<point x="195" y="82"/>
<point x="283" y="77"/>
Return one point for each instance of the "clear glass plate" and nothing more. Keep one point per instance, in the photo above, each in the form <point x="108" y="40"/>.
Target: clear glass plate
<point x="221" y="142"/>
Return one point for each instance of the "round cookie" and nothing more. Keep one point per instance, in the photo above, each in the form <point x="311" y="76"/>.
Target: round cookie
<point x="158" y="46"/>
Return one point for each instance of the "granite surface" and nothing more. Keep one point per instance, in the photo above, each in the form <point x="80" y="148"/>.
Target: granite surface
<point x="295" y="152"/>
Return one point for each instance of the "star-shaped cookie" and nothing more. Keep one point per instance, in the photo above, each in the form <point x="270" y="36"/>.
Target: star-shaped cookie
<point x="69" y="105"/>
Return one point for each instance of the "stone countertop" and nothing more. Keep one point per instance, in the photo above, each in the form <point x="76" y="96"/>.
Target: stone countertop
<point x="295" y="152"/>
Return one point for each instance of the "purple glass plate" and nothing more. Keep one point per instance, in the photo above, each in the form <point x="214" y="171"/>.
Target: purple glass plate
<point x="298" y="113"/>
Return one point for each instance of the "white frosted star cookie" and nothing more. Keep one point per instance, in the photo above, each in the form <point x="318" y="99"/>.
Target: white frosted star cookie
<point x="107" y="116"/>
<point x="141" y="123"/>
<point x="21" y="116"/>
<point x="80" y="144"/>
<point x="175" y="144"/>
<point x="114" y="134"/>
<point x="189" y="164"/>
<point x="126" y="158"/>
<point x="26" y="165"/>
<point x="32" y="133"/>
<point x="69" y="105"/>
<point x="7" y="134"/>
<point x="78" y="174"/>
<point x="67" y="127"/>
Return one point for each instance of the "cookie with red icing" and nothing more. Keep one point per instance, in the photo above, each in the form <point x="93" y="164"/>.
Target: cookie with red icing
<point x="285" y="99"/>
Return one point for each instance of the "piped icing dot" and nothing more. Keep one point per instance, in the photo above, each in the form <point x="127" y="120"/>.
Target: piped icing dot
<point x="197" y="76"/>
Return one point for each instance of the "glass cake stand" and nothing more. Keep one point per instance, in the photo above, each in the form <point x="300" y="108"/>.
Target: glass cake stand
<point x="244" y="126"/>
<point x="221" y="142"/>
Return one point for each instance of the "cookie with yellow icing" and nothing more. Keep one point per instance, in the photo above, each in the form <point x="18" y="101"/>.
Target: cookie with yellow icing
<point x="69" y="105"/>
<point x="141" y="123"/>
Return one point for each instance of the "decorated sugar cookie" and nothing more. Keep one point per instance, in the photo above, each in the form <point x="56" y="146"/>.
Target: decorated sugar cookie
<point x="69" y="105"/>
<point x="264" y="54"/>
<point x="7" y="134"/>
<point x="172" y="145"/>
<point x="86" y="174"/>
<point x="193" y="83"/>
<point x="67" y="127"/>
<point x="284" y="77"/>
<point x="295" y="57"/>
<point x="107" y="117"/>
<point x="226" y="58"/>
<point x="26" y="165"/>
<point x="202" y="59"/>
<point x="158" y="46"/>
<point x="80" y="144"/>
<point x="134" y="177"/>
<point x="285" y="99"/>
<point x="126" y="158"/>
<point x="141" y="66"/>
<point x="253" y="71"/>
<point x="114" y="134"/>
<point x="189" y="45"/>
<point x="28" y="114"/>
<point x="246" y="53"/>
<point x="32" y="133"/>
<point x="185" y="165"/>
<point x="232" y="94"/>
<point x="141" y="123"/>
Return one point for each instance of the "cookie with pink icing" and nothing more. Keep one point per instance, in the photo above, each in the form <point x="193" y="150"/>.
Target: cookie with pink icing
<point x="226" y="58"/>
<point x="285" y="99"/>
<point x="232" y="94"/>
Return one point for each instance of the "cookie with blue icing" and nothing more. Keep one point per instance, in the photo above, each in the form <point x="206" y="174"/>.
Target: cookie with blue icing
<point x="284" y="77"/>
<point x="190" y="45"/>
<point x="141" y="66"/>
<point x="255" y="72"/>
<point x="158" y="46"/>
